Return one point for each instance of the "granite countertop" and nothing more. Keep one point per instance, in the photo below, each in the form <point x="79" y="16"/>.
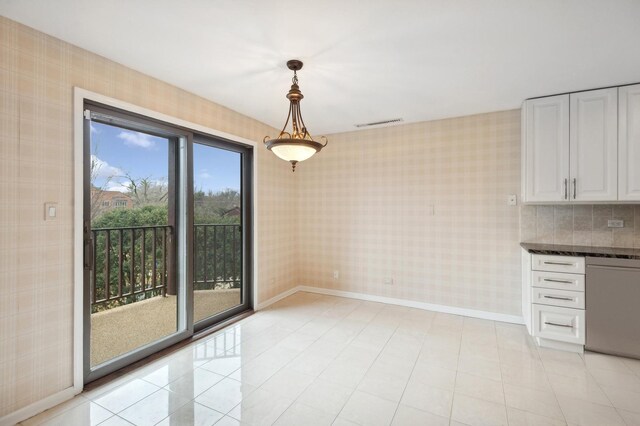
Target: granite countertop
<point x="569" y="250"/>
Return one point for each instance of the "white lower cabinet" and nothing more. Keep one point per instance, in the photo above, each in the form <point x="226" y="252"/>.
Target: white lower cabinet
<point x="563" y="264"/>
<point x="558" y="323"/>
<point x="560" y="281"/>
<point x="553" y="297"/>
<point x="557" y="301"/>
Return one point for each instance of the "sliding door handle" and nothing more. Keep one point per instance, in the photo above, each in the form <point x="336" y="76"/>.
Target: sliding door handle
<point x="87" y="246"/>
<point x="575" y="192"/>
<point x="88" y="254"/>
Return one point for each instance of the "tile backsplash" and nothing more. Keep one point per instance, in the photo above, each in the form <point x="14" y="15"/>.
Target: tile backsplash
<point x="585" y="225"/>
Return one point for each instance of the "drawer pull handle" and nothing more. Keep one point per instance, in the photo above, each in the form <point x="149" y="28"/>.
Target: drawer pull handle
<point x="558" y="325"/>
<point x="559" y="298"/>
<point x="551" y="280"/>
<point x="558" y="263"/>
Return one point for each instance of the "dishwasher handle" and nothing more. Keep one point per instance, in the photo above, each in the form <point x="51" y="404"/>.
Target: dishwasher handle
<point x="614" y="268"/>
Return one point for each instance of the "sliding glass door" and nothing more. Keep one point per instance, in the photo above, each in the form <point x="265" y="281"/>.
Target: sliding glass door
<point x="166" y="235"/>
<point x="220" y="247"/>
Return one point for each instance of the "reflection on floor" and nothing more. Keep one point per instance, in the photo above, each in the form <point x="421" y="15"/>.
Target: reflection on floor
<point x="120" y="330"/>
<point x="321" y="360"/>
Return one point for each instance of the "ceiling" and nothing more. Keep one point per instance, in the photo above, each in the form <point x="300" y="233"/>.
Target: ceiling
<point x="364" y="60"/>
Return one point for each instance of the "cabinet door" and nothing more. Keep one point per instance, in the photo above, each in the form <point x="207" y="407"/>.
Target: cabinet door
<point x="629" y="143"/>
<point x="557" y="323"/>
<point x="594" y="145"/>
<point x="546" y="149"/>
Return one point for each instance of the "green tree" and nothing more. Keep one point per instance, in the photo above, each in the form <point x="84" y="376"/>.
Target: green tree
<point x="138" y="216"/>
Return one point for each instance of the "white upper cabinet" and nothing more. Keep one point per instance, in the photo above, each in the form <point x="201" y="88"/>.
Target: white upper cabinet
<point x="546" y="149"/>
<point x="582" y="147"/>
<point x="593" y="151"/>
<point x="629" y="143"/>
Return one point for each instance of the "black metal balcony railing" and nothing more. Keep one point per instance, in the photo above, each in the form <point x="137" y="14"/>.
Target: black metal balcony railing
<point x="130" y="264"/>
<point x="135" y="263"/>
<point x="217" y="257"/>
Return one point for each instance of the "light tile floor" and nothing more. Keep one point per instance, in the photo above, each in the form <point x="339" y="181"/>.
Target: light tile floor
<point x="319" y="360"/>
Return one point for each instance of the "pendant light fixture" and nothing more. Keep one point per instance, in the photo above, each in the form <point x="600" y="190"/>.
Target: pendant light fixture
<point x="297" y="145"/>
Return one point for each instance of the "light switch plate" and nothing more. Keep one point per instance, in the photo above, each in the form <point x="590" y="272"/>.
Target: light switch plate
<point x="50" y="211"/>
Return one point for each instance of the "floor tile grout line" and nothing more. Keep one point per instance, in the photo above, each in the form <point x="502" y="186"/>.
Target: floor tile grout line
<point x="143" y="369"/>
<point x="131" y="405"/>
<point x="276" y="372"/>
<point x="160" y="388"/>
<point x="179" y="407"/>
<point x="598" y="385"/>
<point x="268" y="348"/>
<point x="69" y="409"/>
<point x="361" y="303"/>
<point x="375" y="359"/>
<point x="411" y="374"/>
<point x="317" y="338"/>
<point x="555" y="394"/>
<point x="504" y="393"/>
<point x="119" y="417"/>
<point x="455" y="380"/>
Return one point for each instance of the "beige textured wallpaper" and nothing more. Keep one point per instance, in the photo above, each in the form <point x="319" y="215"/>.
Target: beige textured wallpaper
<point x="37" y="76"/>
<point x="584" y="225"/>
<point x="423" y="204"/>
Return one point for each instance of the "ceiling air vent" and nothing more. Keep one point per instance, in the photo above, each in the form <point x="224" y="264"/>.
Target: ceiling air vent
<point x="378" y="123"/>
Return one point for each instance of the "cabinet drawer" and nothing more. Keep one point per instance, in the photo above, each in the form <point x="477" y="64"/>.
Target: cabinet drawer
<point x="553" y="297"/>
<point x="560" y="281"/>
<point x="551" y="263"/>
<point x="556" y="323"/>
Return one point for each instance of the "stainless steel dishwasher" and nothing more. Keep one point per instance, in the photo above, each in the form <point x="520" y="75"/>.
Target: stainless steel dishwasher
<point x="613" y="306"/>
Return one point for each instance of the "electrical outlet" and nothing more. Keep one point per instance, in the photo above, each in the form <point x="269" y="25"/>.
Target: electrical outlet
<point x="512" y="200"/>
<point x="50" y="211"/>
<point x="388" y="281"/>
<point x="336" y="275"/>
<point x="615" y="223"/>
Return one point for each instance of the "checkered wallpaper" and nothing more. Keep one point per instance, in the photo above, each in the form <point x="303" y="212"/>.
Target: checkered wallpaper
<point x="37" y="76"/>
<point x="422" y="204"/>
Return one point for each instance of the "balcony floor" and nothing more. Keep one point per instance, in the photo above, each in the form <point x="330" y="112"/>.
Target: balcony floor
<point x="120" y="330"/>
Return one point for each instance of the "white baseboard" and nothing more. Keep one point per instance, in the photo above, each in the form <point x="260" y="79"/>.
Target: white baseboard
<point x="37" y="407"/>
<point x="473" y="313"/>
<point x="275" y="299"/>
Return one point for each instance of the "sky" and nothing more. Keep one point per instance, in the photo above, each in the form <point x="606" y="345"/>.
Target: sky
<point x="118" y="152"/>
